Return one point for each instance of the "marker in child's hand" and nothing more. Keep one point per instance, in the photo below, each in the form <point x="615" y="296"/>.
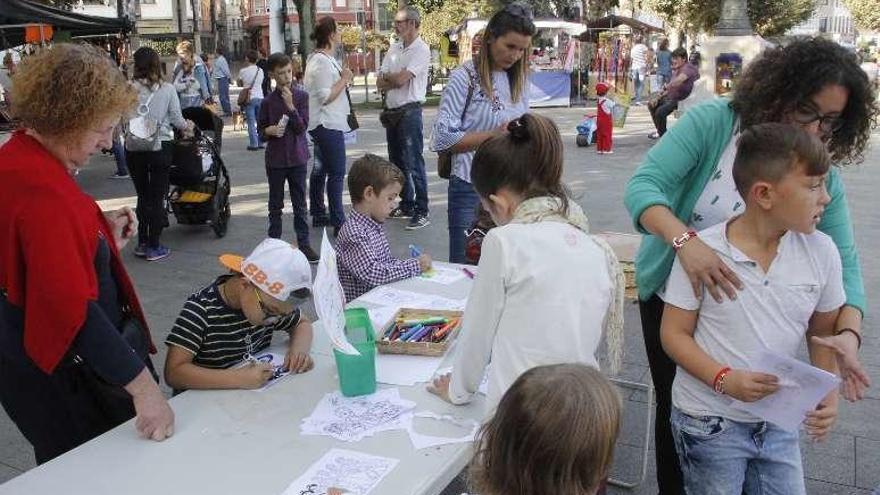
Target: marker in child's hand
<point x="414" y="251"/>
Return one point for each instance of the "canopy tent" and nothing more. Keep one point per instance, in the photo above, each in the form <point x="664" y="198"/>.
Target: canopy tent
<point x="15" y="14"/>
<point x="613" y="21"/>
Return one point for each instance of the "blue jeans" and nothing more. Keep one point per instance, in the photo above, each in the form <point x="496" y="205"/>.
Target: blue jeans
<point x="462" y="211"/>
<point x="119" y="154"/>
<point x="405" y="149"/>
<point x="251" y="110"/>
<point x="638" y="79"/>
<point x="330" y="168"/>
<point x="722" y="457"/>
<point x="223" y="89"/>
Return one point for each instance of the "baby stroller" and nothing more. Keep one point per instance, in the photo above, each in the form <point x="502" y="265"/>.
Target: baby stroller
<point x="199" y="179"/>
<point x="586" y="131"/>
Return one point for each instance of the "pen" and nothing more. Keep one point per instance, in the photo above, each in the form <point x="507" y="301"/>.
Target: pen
<point x="414" y="251"/>
<point x="469" y="273"/>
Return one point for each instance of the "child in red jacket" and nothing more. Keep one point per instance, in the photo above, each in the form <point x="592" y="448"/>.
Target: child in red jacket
<point x="604" y="121"/>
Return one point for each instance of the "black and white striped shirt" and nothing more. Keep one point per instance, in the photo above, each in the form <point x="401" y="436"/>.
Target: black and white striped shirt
<point x="218" y="335"/>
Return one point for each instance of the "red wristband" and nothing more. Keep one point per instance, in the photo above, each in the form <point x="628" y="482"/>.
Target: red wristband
<point x="718" y="382"/>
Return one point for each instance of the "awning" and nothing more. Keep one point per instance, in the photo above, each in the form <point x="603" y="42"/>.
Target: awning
<point x="613" y="21"/>
<point x="15" y="13"/>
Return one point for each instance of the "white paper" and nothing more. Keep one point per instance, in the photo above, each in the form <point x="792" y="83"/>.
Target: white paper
<point x="351" y="137"/>
<point x="330" y="299"/>
<point x="445" y="275"/>
<point x="399" y="369"/>
<point x="354" y="472"/>
<point x="421" y="441"/>
<point x="351" y="419"/>
<point x="277" y="362"/>
<point x="391" y="297"/>
<point x="802" y="387"/>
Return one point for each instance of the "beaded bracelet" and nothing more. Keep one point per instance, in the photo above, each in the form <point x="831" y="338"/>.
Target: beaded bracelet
<point x="718" y="383"/>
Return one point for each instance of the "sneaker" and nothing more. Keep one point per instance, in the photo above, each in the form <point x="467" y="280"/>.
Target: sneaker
<point x="310" y="253"/>
<point x="120" y="176"/>
<point x="157" y="253"/>
<point x="253" y="148"/>
<point x="400" y="213"/>
<point x="320" y="221"/>
<point x="418" y="221"/>
<point x="141" y="250"/>
<point x="654" y="135"/>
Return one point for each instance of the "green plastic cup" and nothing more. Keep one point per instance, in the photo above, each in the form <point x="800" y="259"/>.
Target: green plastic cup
<point x="357" y="374"/>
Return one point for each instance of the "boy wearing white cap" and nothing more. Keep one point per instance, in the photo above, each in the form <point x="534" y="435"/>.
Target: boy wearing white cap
<point x="233" y="319"/>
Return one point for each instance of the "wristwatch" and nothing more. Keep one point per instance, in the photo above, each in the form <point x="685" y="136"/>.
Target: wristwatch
<point x="678" y="241"/>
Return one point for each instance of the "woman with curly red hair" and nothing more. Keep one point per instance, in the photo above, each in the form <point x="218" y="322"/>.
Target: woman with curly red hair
<point x="74" y="342"/>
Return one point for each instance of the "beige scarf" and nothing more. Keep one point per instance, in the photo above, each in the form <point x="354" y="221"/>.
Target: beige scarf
<point x="548" y="209"/>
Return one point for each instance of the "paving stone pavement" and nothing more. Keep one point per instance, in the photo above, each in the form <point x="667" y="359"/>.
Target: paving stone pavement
<point x="848" y="463"/>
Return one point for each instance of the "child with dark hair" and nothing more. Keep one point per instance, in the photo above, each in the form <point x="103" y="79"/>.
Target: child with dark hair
<point x="521" y="450"/>
<point x="362" y="249"/>
<point x="792" y="288"/>
<point x="282" y="124"/>
<point x="539" y="269"/>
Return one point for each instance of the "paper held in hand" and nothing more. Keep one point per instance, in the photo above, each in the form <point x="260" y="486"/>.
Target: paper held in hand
<point x="801" y="388"/>
<point x="330" y="300"/>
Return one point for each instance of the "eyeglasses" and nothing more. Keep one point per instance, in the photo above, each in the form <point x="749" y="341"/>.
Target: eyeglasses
<point x="404" y="21"/>
<point x="806" y="114"/>
<point x="271" y="316"/>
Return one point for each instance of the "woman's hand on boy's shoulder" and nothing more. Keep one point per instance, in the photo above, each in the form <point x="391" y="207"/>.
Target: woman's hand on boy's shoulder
<point x="440" y="387"/>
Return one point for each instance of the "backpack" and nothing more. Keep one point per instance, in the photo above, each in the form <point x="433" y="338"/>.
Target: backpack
<point x="143" y="131"/>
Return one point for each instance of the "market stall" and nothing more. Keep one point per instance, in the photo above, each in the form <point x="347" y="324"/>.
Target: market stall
<point x="17" y="16"/>
<point x="611" y="37"/>
<point x="553" y="59"/>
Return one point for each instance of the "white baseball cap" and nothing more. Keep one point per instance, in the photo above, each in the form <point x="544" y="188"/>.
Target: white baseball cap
<point x="274" y="266"/>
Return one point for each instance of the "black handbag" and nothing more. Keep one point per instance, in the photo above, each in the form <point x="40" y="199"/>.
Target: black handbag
<point x="352" y="117"/>
<point x="390" y="118"/>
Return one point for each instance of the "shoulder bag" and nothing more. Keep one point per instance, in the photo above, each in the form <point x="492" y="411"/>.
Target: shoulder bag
<point x="245" y="96"/>
<point x="143" y="130"/>
<point x="444" y="158"/>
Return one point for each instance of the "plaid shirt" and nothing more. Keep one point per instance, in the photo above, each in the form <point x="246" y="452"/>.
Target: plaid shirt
<point x="364" y="257"/>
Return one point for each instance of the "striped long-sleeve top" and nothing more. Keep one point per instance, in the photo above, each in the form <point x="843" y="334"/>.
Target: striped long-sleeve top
<point x="483" y="113"/>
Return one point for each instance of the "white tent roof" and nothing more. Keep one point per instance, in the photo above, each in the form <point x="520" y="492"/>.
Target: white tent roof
<point x="474" y="26"/>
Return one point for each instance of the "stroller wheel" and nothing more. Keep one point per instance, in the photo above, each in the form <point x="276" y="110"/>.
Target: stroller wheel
<point x="222" y="212"/>
<point x="582" y="140"/>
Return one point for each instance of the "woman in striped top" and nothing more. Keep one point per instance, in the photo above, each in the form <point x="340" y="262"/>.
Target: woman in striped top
<point x="497" y="82"/>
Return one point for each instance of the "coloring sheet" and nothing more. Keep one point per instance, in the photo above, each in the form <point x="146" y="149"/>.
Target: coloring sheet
<point x="351" y="419"/>
<point x="446" y="275"/>
<point x="330" y="299"/>
<point x="347" y="470"/>
<point x="400" y="369"/>
<point x="801" y="388"/>
<point x="390" y="297"/>
<point x="277" y="362"/>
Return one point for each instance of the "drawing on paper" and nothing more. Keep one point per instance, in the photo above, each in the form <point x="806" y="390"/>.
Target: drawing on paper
<point x="353" y="472"/>
<point x="353" y="418"/>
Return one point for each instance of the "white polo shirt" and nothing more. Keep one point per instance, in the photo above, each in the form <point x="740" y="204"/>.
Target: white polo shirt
<point x="414" y="58"/>
<point x="770" y="313"/>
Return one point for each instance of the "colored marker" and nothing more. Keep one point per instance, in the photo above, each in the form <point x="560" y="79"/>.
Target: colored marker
<point x="414" y="251"/>
<point x="409" y="333"/>
<point x="422" y="321"/>
<point x="469" y="273"/>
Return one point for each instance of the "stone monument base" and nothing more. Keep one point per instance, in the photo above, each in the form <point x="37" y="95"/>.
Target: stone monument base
<point x="725" y="51"/>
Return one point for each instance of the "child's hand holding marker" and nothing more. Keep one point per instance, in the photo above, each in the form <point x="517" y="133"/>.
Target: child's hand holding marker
<point x="424" y="259"/>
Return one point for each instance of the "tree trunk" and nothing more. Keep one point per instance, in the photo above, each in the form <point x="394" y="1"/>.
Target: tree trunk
<point x="197" y="38"/>
<point x="305" y="10"/>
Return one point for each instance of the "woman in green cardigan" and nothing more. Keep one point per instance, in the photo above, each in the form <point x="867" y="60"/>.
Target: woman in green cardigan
<point x="685" y="184"/>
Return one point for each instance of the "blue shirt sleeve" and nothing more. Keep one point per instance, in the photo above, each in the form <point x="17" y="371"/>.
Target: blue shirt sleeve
<point x="449" y="128"/>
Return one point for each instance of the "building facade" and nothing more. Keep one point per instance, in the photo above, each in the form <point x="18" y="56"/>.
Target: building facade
<point x="831" y="18"/>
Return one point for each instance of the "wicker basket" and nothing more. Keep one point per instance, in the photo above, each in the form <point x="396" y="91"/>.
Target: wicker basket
<point x="417" y="348"/>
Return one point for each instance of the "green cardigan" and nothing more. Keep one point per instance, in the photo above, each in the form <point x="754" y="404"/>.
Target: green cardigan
<point x="674" y="174"/>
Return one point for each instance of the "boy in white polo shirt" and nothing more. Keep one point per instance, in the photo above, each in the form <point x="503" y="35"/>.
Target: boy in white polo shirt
<point x="792" y="288"/>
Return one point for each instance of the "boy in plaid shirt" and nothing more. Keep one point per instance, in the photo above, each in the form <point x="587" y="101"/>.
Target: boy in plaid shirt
<point x="362" y="249"/>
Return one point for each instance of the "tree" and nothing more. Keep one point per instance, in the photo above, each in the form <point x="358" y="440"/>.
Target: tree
<point x="866" y="13"/>
<point x="768" y="18"/>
